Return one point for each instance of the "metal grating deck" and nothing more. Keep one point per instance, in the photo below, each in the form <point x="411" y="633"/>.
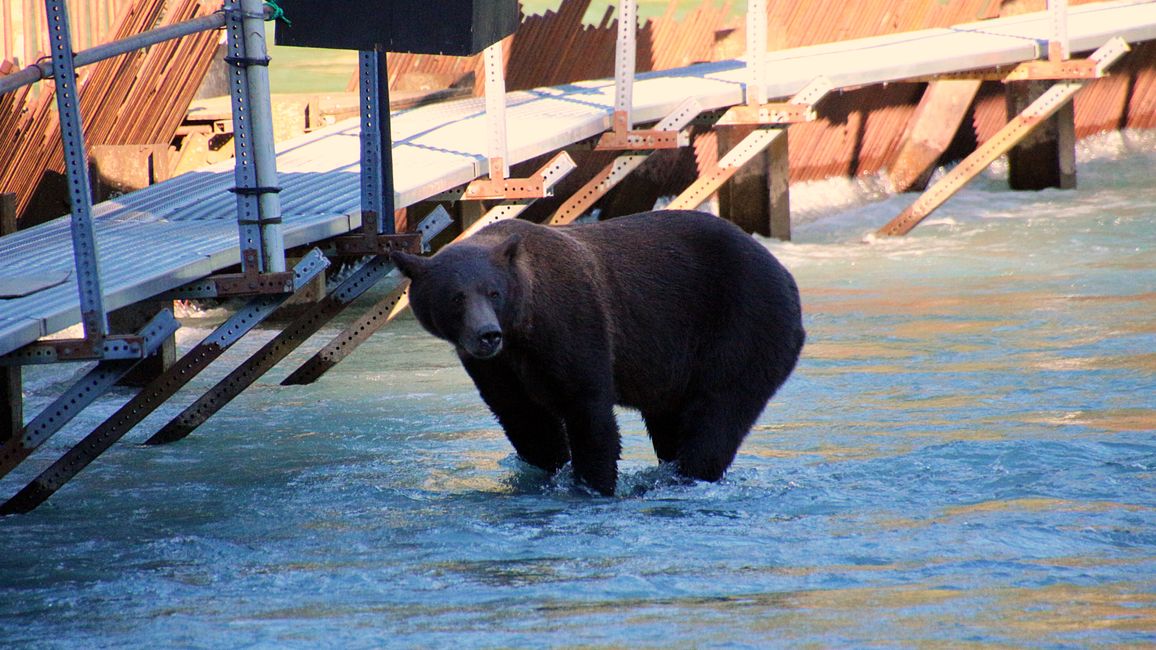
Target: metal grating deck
<point x="183" y="229"/>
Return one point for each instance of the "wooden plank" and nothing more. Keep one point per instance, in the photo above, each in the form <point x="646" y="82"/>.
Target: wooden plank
<point x="930" y="131"/>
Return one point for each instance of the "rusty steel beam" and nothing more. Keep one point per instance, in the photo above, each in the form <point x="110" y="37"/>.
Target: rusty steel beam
<point x="710" y="182"/>
<point x="288" y="340"/>
<point x="620" y="167"/>
<point x="157" y="392"/>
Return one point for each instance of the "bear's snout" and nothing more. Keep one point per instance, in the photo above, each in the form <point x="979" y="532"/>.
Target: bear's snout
<point x="487" y="342"/>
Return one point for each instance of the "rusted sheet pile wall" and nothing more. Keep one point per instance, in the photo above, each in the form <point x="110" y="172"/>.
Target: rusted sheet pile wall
<point x="859" y="131"/>
<point x="136" y="98"/>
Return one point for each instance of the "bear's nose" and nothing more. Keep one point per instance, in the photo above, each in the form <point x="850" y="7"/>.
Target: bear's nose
<point x="491" y="338"/>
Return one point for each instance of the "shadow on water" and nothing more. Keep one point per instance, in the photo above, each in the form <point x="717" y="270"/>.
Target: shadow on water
<point x="965" y="456"/>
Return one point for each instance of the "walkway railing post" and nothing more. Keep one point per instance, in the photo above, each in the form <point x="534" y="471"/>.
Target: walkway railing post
<point x="92" y="314"/>
<point x="376" y="146"/>
<point x="496" y="111"/>
<point x="1059" y="45"/>
<point x="624" y="63"/>
<point x="756" y="52"/>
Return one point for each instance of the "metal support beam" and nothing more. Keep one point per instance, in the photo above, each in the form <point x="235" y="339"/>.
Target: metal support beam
<point x="281" y="345"/>
<point x="92" y="314"/>
<point x="158" y="391"/>
<point x="388" y="308"/>
<point x="1007" y="137"/>
<point x="756" y="52"/>
<point x="376" y="145"/>
<point x="620" y="168"/>
<point x="710" y="182"/>
<point x="94" y="384"/>
<point x="1059" y="47"/>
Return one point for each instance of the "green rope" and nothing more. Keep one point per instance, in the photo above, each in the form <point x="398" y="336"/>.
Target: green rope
<point x="278" y="12"/>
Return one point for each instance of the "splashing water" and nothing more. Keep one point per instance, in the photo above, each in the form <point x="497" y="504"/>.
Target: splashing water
<point x="965" y="455"/>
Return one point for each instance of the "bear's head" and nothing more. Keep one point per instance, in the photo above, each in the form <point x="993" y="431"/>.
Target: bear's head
<point x="466" y="294"/>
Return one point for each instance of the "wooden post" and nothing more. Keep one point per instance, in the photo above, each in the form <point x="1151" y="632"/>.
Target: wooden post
<point x="757" y="198"/>
<point x="7" y="214"/>
<point x="11" y="402"/>
<point x="11" y="387"/>
<point x="1047" y="156"/>
<point x="930" y="131"/>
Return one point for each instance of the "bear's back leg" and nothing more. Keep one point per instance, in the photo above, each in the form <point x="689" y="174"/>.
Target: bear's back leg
<point x="710" y="430"/>
<point x="664" y="431"/>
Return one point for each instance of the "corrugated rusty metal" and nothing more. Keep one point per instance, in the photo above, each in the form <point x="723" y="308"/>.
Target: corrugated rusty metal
<point x="136" y="98"/>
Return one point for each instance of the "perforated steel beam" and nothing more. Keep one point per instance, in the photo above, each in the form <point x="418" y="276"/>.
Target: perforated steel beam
<point x="288" y="340"/>
<point x="620" y="168"/>
<point x="376" y="147"/>
<point x="82" y="393"/>
<point x="158" y="391"/>
<point x="93" y="317"/>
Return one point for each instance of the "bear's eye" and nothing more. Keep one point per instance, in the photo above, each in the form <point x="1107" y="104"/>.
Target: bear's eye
<point x="458" y="298"/>
<point x="495" y="294"/>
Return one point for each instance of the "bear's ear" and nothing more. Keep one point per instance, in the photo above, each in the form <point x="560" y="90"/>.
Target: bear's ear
<point x="507" y="251"/>
<point x="410" y="265"/>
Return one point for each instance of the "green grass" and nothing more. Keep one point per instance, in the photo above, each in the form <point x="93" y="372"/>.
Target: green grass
<point x="309" y="70"/>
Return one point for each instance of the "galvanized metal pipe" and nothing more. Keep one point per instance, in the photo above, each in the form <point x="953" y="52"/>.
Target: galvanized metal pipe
<point x="264" y="152"/>
<point x="43" y="69"/>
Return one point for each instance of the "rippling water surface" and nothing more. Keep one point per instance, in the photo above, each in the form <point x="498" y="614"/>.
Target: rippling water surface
<point x="965" y="456"/>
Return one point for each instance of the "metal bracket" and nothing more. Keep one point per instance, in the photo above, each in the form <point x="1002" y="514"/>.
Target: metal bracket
<point x="541" y="184"/>
<point x="623" y="138"/>
<point x="250" y="281"/>
<point x="371" y="241"/>
<point x="94" y="384"/>
<point x="107" y="348"/>
<point x="800" y="108"/>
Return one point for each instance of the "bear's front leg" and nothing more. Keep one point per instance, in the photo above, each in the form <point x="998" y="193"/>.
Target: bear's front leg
<point x="594" y="443"/>
<point x="537" y="435"/>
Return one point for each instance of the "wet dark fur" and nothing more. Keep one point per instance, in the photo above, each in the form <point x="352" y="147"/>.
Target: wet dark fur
<point x="678" y="314"/>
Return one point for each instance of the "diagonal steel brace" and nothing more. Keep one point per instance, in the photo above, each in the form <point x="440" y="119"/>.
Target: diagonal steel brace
<point x="288" y="340"/>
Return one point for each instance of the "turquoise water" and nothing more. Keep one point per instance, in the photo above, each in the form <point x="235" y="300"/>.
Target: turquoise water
<point x="965" y="456"/>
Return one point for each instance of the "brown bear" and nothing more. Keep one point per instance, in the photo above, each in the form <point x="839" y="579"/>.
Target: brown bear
<point x="678" y="314"/>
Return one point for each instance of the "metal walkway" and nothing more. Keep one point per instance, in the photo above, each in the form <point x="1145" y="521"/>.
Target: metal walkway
<point x="184" y="229"/>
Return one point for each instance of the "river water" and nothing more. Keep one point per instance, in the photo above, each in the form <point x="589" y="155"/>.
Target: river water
<point x="965" y="456"/>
